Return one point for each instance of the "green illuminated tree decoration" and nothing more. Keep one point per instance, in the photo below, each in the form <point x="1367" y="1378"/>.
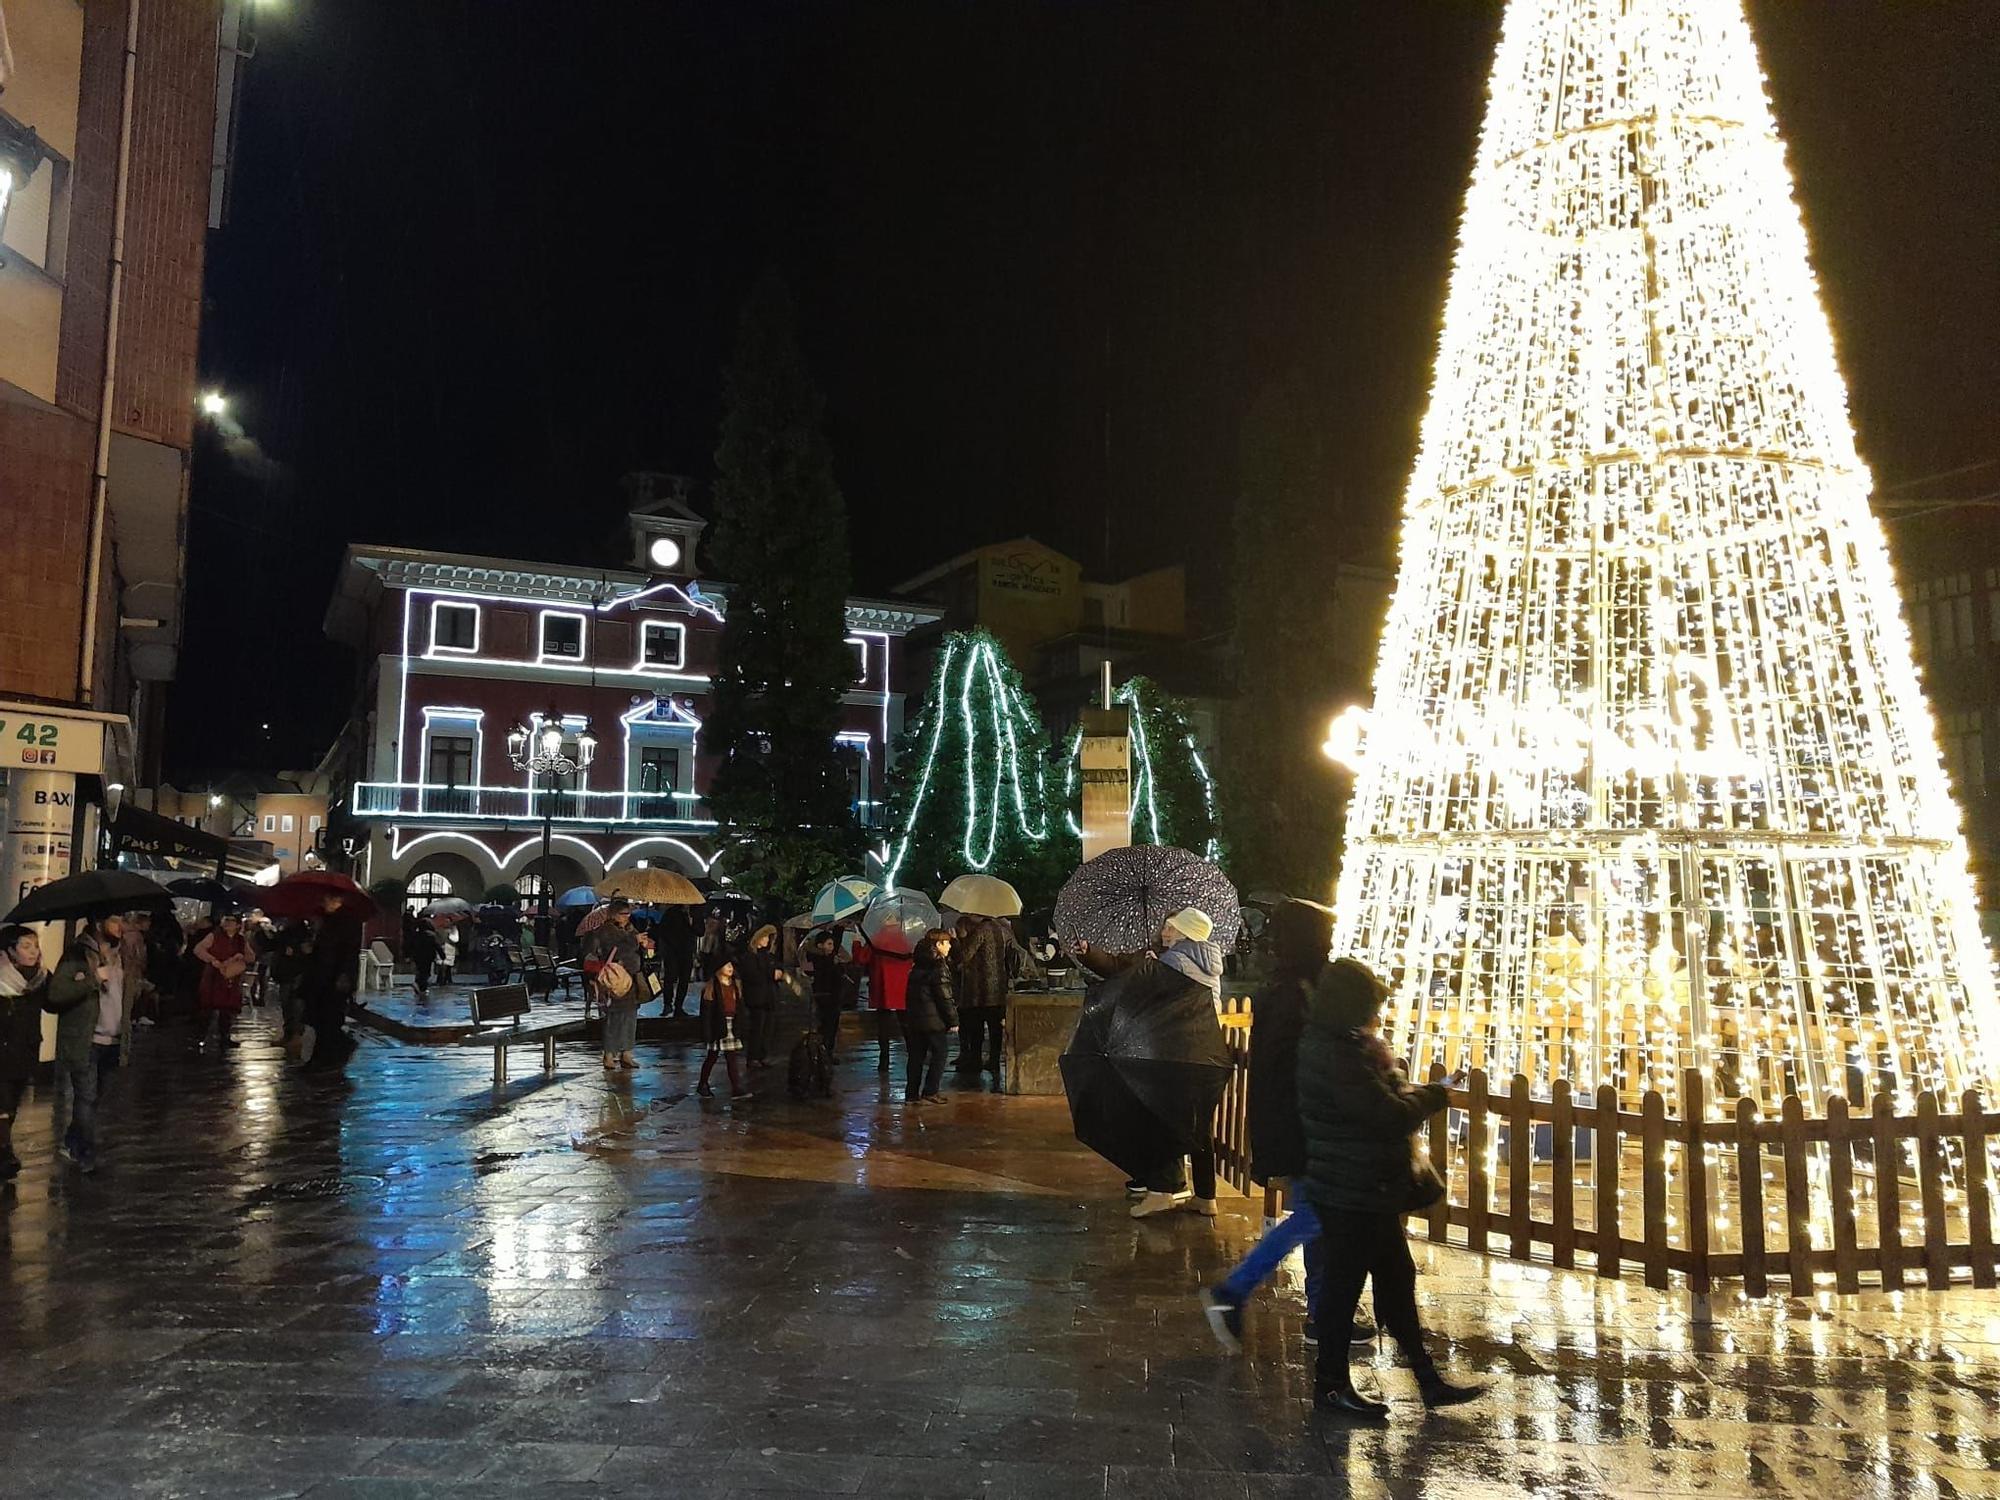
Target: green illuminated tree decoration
<point x="975" y="791"/>
<point x="1173" y="791"/>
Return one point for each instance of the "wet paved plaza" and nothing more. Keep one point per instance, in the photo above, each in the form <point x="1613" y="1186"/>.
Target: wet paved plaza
<point x="411" y="1285"/>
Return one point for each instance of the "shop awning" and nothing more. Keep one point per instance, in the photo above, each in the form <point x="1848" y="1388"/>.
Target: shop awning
<point x="154" y="838"/>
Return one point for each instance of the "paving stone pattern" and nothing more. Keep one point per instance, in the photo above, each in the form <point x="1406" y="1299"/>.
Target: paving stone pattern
<point x="405" y="1284"/>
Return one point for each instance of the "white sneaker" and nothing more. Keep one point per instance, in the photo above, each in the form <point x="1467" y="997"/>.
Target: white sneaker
<point x="1203" y="1206"/>
<point x="1156" y="1203"/>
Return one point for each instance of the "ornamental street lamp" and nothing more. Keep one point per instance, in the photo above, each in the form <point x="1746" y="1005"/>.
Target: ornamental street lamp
<point x="540" y="752"/>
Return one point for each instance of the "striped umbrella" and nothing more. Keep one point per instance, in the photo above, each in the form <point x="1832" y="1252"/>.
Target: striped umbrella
<point x="841" y="899"/>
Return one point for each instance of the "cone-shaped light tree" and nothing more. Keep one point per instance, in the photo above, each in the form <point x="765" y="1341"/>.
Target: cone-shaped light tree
<point x="1649" y="782"/>
<point x="976" y="790"/>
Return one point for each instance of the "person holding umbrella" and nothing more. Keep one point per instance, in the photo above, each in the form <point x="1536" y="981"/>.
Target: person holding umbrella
<point x="614" y="941"/>
<point x="24" y="986"/>
<point x="1362" y="1175"/>
<point x="980" y="968"/>
<point x="87" y="996"/>
<point x="421" y="940"/>
<point x="823" y="963"/>
<point x="1185" y="947"/>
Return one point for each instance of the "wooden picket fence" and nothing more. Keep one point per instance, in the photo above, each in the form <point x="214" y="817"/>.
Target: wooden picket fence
<point x="1860" y="1194"/>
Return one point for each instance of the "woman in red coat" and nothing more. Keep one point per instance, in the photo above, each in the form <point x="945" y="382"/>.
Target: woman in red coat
<point x="224" y="956"/>
<point x="888" y="992"/>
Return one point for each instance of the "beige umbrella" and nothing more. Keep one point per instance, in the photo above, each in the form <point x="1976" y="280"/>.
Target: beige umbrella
<point x="653" y="886"/>
<point x="982" y="896"/>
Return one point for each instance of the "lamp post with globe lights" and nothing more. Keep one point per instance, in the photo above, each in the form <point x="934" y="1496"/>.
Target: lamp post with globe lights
<point x="540" y="752"/>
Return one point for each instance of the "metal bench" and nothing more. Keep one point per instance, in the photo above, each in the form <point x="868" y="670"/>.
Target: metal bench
<point x="497" y="1012"/>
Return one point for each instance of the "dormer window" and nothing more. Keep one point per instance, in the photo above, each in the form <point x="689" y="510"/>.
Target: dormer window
<point x="562" y="636"/>
<point x="454" y="627"/>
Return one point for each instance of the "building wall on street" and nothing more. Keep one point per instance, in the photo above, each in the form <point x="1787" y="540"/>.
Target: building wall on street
<point x="46" y="37"/>
<point x="1948" y="572"/>
<point x="45" y="487"/>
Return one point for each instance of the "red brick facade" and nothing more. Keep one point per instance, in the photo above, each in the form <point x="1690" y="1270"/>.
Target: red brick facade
<point x="45" y="480"/>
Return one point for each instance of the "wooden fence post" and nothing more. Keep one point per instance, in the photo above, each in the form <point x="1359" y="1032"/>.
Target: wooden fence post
<point x="1930" y="1183"/>
<point x="1750" y="1184"/>
<point x="1694" y="1177"/>
<point x="1840" y="1188"/>
<point x="1653" y="1177"/>
<point x="1562" y="1183"/>
<point x="1978" y="1204"/>
<point x="1440" y="1153"/>
<point x="1888" y="1196"/>
<point x="1798" y="1197"/>
<point x="1478" y="1190"/>
<point x="1608" y="1156"/>
<point x="1520" y="1161"/>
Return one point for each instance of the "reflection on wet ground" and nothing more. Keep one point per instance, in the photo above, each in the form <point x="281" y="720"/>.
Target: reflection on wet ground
<point x="409" y="1284"/>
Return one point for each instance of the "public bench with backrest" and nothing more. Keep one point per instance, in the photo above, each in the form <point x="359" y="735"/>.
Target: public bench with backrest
<point x="502" y="1017"/>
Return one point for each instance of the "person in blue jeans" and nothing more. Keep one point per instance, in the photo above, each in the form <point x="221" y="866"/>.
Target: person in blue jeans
<point x="1301" y="932"/>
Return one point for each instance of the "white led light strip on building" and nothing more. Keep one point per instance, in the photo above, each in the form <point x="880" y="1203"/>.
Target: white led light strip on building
<point x="1649" y="782"/>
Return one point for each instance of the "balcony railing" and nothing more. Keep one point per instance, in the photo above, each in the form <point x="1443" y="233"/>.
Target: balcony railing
<point x="518" y="804"/>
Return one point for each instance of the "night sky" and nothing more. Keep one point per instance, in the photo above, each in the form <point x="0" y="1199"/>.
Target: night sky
<point x="483" y="257"/>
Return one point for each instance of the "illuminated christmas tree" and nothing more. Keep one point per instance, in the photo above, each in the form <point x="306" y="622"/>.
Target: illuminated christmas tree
<point x="1649" y="782"/>
<point x="974" y="790"/>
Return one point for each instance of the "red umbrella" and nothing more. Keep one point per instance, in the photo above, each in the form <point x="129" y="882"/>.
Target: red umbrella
<point x="304" y="895"/>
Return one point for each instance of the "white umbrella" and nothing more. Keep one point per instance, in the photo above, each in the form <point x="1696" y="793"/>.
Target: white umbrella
<point x="982" y="896"/>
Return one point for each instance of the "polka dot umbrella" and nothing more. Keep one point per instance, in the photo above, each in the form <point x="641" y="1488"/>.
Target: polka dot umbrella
<point x="1118" y="900"/>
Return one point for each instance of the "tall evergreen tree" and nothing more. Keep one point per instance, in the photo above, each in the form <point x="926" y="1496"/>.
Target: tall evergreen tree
<point x="1281" y="800"/>
<point x="976" y="787"/>
<point x="780" y="790"/>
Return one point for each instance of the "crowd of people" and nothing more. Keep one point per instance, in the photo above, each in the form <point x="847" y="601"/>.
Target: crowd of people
<point x="124" y="971"/>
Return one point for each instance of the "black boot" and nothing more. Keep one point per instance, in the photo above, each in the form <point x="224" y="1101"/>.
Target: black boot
<point x="1437" y="1391"/>
<point x="1333" y="1389"/>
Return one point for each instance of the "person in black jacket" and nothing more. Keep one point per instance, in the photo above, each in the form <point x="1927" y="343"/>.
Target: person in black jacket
<point x="928" y="1018"/>
<point x="760" y="973"/>
<point x="1300" y="933"/>
<point x="980" y="973"/>
<point x="1361" y="1177"/>
<point x="24" y="985"/>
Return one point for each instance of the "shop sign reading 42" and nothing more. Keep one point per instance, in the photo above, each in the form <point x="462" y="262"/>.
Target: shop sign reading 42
<point x="38" y="742"/>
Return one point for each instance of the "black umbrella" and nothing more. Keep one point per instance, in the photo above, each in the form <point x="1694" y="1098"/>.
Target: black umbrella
<point x="95" y="893"/>
<point x="1119" y="899"/>
<point x="1146" y="1068"/>
<point x="200" y="888"/>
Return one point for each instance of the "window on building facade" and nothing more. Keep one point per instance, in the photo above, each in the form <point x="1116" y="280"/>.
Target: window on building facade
<point x="37" y="217"/>
<point x="270" y="823"/>
<point x="448" y="774"/>
<point x="562" y="635"/>
<point x="424" y="888"/>
<point x="860" y="649"/>
<point x="454" y="627"/>
<point x="1964" y="752"/>
<point x="286" y="823"/>
<point x="656" y="777"/>
<point x="1941" y="616"/>
<point x="663" y="643"/>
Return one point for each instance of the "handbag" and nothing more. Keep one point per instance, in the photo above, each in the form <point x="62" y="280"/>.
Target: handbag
<point x="232" y="968"/>
<point x="1426" y="1186"/>
<point x="649" y="984"/>
<point x="615" y="980"/>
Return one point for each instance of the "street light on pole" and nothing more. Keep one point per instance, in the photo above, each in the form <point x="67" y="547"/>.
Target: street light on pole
<point x="540" y="753"/>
